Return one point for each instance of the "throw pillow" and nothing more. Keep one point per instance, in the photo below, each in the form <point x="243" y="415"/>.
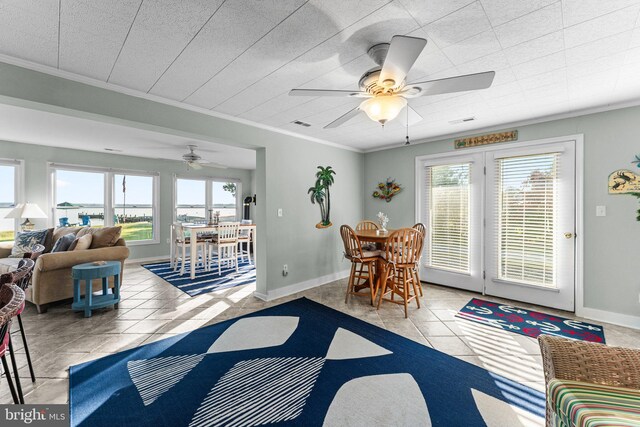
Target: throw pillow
<point x="82" y="243"/>
<point x="25" y="240"/>
<point x="48" y="242"/>
<point x="105" y="237"/>
<point x="63" y="243"/>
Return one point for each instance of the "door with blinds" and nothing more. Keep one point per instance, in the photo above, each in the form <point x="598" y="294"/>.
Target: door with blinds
<point x="530" y="224"/>
<point x="452" y="196"/>
<point x="502" y="221"/>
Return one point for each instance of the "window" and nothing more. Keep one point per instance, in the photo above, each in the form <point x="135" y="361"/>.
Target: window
<point x="196" y="198"/>
<point x="191" y="200"/>
<point x="104" y="197"/>
<point x="448" y="195"/>
<point x="526" y="216"/>
<point x="79" y="198"/>
<point x="9" y="179"/>
<point x="133" y="206"/>
<point x="224" y="200"/>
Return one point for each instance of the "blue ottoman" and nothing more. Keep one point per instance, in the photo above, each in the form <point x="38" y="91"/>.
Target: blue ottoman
<point x="88" y="272"/>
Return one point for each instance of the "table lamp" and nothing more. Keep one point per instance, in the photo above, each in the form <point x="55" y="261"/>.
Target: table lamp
<point x="26" y="211"/>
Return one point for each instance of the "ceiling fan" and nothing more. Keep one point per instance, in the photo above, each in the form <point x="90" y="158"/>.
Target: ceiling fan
<point x="385" y="88"/>
<point x="195" y="161"/>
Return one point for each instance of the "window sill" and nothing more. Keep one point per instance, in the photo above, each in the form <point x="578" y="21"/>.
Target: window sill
<point x="142" y="242"/>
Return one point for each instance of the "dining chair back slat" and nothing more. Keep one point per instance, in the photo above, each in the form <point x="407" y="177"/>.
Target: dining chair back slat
<point x="352" y="246"/>
<point x="403" y="247"/>
<point x="228" y="232"/>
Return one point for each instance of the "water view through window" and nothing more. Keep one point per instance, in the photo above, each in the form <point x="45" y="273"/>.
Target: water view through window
<point x="7" y="201"/>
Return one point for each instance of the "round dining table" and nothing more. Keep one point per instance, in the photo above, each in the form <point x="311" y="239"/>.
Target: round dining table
<point x="374" y="236"/>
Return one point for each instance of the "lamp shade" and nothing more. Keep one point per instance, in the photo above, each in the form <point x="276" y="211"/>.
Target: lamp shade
<point x="26" y="210"/>
<point x="383" y="108"/>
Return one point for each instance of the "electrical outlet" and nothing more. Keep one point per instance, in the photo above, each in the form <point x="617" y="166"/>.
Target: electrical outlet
<point x="168" y="241"/>
<point x="601" y="211"/>
<point x="285" y="270"/>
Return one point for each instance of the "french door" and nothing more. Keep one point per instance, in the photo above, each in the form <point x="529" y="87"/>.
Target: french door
<point x="502" y="222"/>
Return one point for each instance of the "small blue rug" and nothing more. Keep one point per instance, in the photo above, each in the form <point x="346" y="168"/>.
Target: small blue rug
<point x="299" y="363"/>
<point x="205" y="281"/>
<point x="528" y="322"/>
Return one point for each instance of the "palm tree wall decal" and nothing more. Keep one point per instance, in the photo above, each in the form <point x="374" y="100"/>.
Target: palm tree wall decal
<point x="320" y="194"/>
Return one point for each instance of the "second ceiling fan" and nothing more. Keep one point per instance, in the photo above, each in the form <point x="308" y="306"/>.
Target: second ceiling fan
<point x="385" y="88"/>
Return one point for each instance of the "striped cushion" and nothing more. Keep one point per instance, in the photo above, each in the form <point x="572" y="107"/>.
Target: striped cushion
<point x="591" y="405"/>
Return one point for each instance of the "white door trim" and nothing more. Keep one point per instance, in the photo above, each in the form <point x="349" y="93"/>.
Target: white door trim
<point x="579" y="194"/>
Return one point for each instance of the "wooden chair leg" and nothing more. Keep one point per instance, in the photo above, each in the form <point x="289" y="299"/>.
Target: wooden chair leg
<point x="15" y="371"/>
<point x="350" y="283"/>
<point x="405" y="291"/>
<point x="382" y="288"/>
<point x="184" y="255"/>
<point x="26" y="349"/>
<point x="371" y="284"/>
<point x="418" y="282"/>
<point x="7" y="374"/>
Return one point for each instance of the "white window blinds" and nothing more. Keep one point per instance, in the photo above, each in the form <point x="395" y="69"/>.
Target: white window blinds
<point x="448" y="199"/>
<point x="526" y="215"/>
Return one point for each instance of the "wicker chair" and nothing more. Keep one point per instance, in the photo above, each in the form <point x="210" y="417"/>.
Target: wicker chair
<point x="360" y="259"/>
<point x="587" y="362"/>
<point x="21" y="277"/>
<point x="11" y="299"/>
<point x="401" y="253"/>
<point x="36" y="251"/>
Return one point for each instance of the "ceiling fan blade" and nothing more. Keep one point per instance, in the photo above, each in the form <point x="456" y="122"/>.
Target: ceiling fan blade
<point x="328" y="92"/>
<point x="402" y="54"/>
<point x="414" y="117"/>
<point x="454" y="84"/>
<point x="343" y="118"/>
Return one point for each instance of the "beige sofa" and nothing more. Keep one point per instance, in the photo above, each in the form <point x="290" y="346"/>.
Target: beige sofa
<point x="52" y="281"/>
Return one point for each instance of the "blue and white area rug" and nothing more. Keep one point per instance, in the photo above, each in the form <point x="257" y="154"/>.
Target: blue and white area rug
<point x="529" y="322"/>
<point x="299" y="363"/>
<point x="205" y="281"/>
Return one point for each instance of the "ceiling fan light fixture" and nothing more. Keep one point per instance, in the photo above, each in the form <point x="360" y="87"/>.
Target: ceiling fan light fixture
<point x="383" y="108"/>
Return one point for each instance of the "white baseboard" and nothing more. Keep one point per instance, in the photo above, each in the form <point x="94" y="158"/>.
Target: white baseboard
<point x="620" y="319"/>
<point x="301" y="286"/>
<point x="145" y="260"/>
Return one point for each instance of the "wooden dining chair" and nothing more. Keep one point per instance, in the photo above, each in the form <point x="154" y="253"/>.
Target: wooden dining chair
<point x="423" y="230"/>
<point x="362" y="265"/>
<point x="366" y="224"/>
<point x="400" y="255"/>
<point x="11" y="299"/>
<point x="184" y="243"/>
<point x="245" y="238"/>
<point x="225" y="244"/>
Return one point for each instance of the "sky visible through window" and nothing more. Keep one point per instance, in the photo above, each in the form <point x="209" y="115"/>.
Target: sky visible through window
<point x="7" y="174"/>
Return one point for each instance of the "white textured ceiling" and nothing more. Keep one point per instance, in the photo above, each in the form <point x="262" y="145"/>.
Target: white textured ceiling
<point x="241" y="57"/>
<point x="56" y="130"/>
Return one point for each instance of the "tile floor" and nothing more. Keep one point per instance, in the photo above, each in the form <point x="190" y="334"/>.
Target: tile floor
<point x="152" y="309"/>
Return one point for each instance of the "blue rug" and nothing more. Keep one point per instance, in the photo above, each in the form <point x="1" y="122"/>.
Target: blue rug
<point x="528" y="322"/>
<point x="205" y="281"/>
<point x="299" y="363"/>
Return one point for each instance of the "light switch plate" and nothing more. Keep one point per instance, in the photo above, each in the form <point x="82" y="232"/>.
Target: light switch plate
<point x="601" y="211"/>
<point x="280" y="212"/>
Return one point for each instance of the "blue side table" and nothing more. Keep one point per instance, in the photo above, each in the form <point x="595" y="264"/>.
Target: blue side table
<point x="88" y="272"/>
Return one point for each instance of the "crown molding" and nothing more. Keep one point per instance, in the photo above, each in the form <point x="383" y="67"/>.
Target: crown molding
<point x="68" y="75"/>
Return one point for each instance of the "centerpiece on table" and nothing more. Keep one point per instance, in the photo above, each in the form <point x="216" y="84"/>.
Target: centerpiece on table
<point x="382" y="220"/>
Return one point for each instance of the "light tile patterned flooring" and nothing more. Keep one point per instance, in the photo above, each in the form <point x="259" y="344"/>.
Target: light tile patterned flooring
<point x="153" y="309"/>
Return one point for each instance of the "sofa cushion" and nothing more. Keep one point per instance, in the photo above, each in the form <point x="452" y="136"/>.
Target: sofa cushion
<point x="63" y="243"/>
<point x="593" y="405"/>
<point x="48" y="241"/>
<point x="25" y="240"/>
<point x="103" y="237"/>
<point x="81" y="243"/>
<point x="63" y="231"/>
